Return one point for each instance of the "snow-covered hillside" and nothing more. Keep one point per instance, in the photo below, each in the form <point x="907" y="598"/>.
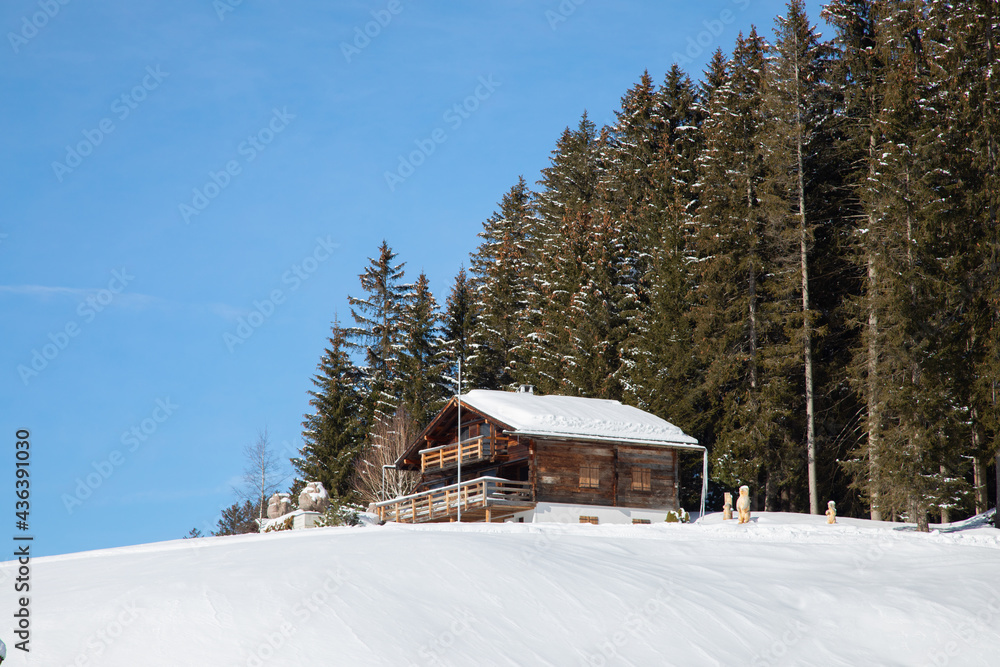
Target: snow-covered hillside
<point x="785" y="589"/>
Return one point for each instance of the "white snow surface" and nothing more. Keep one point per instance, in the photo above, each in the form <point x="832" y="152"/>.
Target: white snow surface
<point x="571" y="416"/>
<point x="782" y="590"/>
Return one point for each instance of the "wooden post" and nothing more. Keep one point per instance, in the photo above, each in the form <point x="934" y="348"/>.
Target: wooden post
<point x="413" y="510"/>
<point x="487" y="515"/>
<point x="430" y="507"/>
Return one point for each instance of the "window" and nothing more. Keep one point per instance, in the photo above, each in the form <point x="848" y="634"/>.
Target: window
<point x="641" y="479"/>
<point x="640" y="521"/>
<point x="589" y="476"/>
<point x="588" y="519"/>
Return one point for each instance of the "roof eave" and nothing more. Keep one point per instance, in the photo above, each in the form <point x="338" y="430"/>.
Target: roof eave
<point x="548" y="435"/>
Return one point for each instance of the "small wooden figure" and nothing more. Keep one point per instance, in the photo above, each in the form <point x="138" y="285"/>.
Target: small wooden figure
<point x="727" y="506"/>
<point x="743" y="504"/>
<point x="831" y="512"/>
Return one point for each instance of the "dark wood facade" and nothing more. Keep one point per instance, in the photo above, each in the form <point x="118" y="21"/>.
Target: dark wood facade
<point x="551" y="469"/>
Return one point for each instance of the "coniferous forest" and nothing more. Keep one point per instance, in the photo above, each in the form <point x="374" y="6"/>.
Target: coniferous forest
<point x="792" y="255"/>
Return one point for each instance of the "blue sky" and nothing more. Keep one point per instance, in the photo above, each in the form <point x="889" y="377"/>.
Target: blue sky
<point x="174" y="169"/>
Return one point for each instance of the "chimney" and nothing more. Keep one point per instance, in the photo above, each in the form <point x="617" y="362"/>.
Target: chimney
<point x="526" y="389"/>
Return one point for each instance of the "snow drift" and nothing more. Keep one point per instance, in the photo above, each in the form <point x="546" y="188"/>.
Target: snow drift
<point x="784" y="589"/>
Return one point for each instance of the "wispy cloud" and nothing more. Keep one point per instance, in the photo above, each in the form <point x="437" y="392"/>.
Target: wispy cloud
<point x="123" y="300"/>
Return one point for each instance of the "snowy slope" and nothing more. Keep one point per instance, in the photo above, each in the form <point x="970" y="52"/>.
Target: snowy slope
<point x="786" y="589"/>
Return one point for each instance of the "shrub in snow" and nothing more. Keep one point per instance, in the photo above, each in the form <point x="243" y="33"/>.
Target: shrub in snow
<point x="679" y="516"/>
<point x="341" y="514"/>
<point x="279" y="525"/>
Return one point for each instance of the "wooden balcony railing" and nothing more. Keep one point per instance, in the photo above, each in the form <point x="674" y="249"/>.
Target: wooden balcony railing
<point x="474" y="449"/>
<point x="484" y="498"/>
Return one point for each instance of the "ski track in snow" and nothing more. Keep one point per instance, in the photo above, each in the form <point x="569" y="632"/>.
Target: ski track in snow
<point x="784" y="590"/>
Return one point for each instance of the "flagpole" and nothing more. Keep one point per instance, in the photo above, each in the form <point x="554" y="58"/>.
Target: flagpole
<point x="458" y="438"/>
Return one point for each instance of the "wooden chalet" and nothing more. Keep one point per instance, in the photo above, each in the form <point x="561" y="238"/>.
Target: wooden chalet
<point x="519" y="451"/>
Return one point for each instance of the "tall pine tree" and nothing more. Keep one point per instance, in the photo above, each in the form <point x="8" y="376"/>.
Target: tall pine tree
<point x="377" y="333"/>
<point x="334" y="431"/>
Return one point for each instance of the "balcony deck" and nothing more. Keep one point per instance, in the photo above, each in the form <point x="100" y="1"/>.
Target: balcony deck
<point x="473" y="450"/>
<point x="482" y="499"/>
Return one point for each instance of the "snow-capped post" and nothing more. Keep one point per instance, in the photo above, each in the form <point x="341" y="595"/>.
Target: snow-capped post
<point x="831" y="512"/>
<point x="384" y="466"/>
<point x="727" y="506"/>
<point x="704" y="481"/>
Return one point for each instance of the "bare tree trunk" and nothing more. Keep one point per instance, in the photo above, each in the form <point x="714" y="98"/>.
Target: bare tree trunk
<point x="978" y="466"/>
<point x="945" y="514"/>
<point x="806" y="324"/>
<point x="873" y="407"/>
<point x="873" y="425"/>
<point x="753" y="302"/>
<point x="996" y="518"/>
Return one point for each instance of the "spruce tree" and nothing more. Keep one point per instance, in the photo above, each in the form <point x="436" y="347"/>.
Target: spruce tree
<point x="501" y="270"/>
<point x="420" y="362"/>
<point x="859" y="82"/>
<point x="798" y="105"/>
<point x="238" y="519"/>
<point x="459" y="324"/>
<point x="566" y="210"/>
<point x="334" y="431"/>
<point x="661" y="370"/>
<point x="377" y="333"/>
<point x="737" y="326"/>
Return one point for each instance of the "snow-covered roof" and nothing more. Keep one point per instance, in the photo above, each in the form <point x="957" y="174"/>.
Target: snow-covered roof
<point x="576" y="418"/>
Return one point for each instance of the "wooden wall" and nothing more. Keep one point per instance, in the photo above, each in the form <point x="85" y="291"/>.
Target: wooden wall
<point x="556" y="474"/>
<point x="663" y="478"/>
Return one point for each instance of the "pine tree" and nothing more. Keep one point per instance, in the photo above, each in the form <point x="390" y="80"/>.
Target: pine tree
<point x="737" y="329"/>
<point x="501" y="271"/>
<point x="238" y="519"/>
<point x="459" y="324"/>
<point x="378" y="333"/>
<point x="859" y="80"/>
<point x="566" y="216"/>
<point x="662" y="375"/>
<point x="333" y="433"/>
<point x="798" y="104"/>
<point x="972" y="66"/>
<point x="420" y="361"/>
